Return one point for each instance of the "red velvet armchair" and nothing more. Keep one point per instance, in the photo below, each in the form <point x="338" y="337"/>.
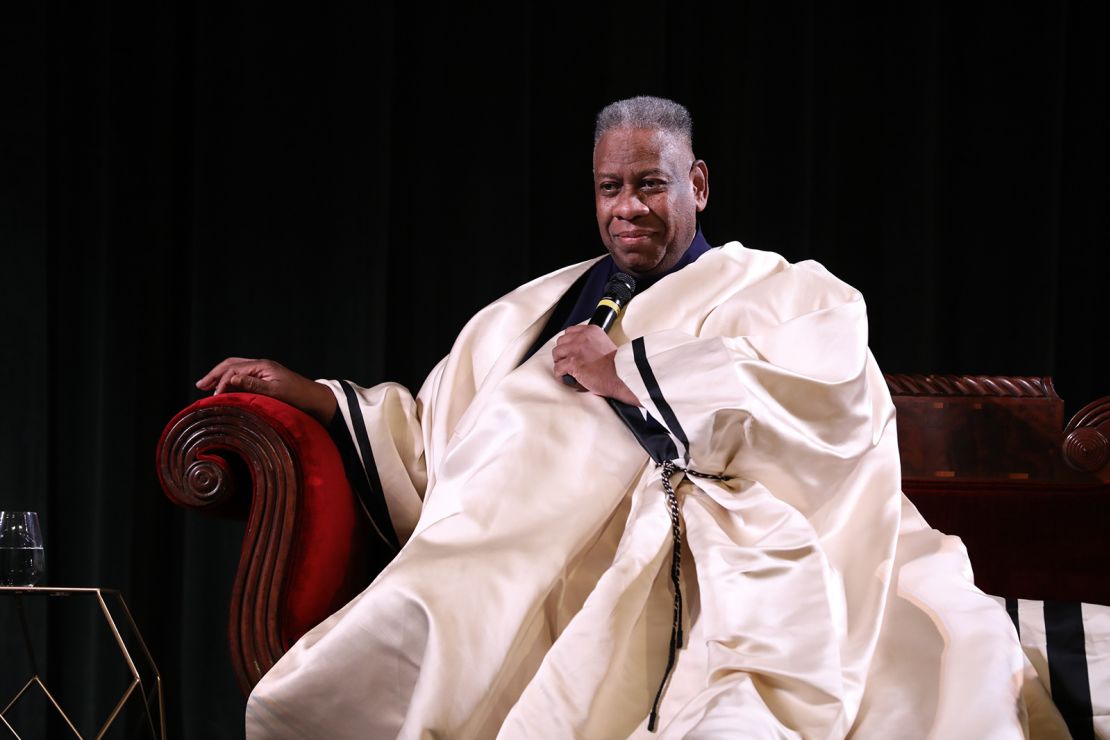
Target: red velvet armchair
<point x="985" y="458"/>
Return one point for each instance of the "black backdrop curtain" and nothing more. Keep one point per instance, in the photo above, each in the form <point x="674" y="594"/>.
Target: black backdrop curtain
<point x="340" y="186"/>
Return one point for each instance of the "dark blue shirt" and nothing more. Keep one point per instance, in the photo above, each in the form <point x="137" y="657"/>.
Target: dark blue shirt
<point x="597" y="277"/>
<point x="578" y="303"/>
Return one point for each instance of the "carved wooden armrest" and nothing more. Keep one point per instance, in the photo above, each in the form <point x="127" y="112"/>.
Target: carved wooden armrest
<point x="303" y="554"/>
<point x="1087" y="439"/>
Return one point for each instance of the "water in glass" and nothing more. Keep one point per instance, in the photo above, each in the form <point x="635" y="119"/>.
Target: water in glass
<point x="22" y="559"/>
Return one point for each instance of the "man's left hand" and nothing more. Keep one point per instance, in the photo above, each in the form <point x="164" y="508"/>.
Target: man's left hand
<point x="586" y="353"/>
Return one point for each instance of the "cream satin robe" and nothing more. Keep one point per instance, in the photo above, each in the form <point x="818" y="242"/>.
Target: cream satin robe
<point x="532" y="597"/>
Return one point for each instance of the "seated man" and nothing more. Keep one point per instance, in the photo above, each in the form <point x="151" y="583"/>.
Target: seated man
<point x="711" y="541"/>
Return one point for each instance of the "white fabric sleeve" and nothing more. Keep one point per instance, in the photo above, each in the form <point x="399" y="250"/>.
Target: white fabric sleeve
<point x="385" y="426"/>
<point x="792" y="407"/>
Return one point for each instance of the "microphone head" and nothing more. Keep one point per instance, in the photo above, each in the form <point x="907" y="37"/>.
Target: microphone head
<point x="621" y="287"/>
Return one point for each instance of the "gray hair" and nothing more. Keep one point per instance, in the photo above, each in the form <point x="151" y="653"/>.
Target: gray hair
<point x="645" y="111"/>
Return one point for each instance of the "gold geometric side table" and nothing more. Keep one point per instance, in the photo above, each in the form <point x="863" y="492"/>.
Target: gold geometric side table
<point x="103" y="597"/>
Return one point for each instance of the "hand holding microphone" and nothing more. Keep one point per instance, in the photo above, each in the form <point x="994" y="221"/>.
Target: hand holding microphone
<point x="584" y="354"/>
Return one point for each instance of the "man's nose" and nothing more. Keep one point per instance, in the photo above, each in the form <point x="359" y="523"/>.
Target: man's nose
<point x="630" y="205"/>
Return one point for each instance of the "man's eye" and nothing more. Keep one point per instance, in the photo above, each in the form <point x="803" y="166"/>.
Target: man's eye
<point x="654" y="184"/>
<point x="608" y="187"/>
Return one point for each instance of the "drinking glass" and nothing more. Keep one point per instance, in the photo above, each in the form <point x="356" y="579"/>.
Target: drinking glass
<point x="22" y="560"/>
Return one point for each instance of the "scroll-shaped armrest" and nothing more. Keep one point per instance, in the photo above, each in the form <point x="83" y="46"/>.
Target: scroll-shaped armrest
<point x="1087" y="440"/>
<point x="304" y="549"/>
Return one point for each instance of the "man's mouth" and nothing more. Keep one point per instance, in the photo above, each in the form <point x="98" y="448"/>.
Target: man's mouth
<point x="633" y="236"/>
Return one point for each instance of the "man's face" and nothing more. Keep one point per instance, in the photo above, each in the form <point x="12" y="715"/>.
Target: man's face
<point x="648" y="190"/>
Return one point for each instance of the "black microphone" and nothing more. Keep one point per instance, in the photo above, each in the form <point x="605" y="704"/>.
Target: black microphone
<point x="618" y="292"/>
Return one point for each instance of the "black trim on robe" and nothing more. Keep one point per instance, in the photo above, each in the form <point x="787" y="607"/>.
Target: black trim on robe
<point x="1067" y="666"/>
<point x="639" y="353"/>
<point x="363" y="478"/>
<point x="651" y="435"/>
<point x="578" y="304"/>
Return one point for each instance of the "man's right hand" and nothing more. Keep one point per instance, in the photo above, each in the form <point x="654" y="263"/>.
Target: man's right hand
<point x="270" y="378"/>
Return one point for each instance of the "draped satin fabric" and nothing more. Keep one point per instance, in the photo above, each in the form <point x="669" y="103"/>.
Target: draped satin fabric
<point x="532" y="596"/>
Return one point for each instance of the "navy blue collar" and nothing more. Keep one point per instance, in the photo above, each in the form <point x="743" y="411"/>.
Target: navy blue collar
<point x="697" y="248"/>
<point x="578" y="303"/>
<point x="605" y="268"/>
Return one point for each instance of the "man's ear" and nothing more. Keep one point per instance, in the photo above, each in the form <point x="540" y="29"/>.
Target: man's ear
<point x="699" y="178"/>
